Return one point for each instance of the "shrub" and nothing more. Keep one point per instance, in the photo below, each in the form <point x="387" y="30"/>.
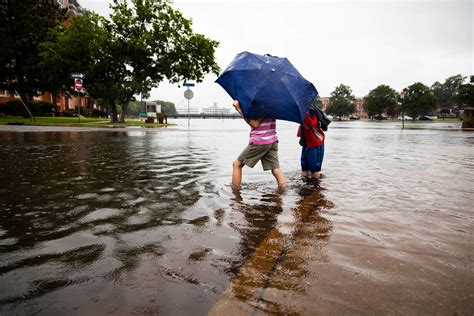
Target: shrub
<point x="98" y="113"/>
<point x="42" y="108"/>
<point x="85" y="111"/>
<point x="14" y="108"/>
<point x="69" y="113"/>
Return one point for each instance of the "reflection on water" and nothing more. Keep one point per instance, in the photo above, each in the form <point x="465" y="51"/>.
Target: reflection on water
<point x="275" y="252"/>
<point x="135" y="221"/>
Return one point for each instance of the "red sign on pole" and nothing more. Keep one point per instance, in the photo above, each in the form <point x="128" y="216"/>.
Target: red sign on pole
<point x="78" y="84"/>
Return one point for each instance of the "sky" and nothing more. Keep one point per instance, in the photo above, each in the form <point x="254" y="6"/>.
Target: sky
<point x="358" y="43"/>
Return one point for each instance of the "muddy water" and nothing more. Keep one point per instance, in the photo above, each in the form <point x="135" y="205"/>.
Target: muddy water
<point x="144" y="222"/>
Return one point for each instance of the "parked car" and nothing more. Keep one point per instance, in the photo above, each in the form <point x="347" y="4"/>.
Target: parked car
<point x="425" y="118"/>
<point x="353" y="118"/>
<point x="380" y="117"/>
<point x="405" y="117"/>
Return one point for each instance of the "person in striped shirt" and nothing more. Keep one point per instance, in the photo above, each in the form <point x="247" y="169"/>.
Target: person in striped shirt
<point x="263" y="146"/>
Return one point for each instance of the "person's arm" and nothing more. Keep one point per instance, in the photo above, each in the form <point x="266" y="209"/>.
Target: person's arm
<point x="310" y="120"/>
<point x="251" y="122"/>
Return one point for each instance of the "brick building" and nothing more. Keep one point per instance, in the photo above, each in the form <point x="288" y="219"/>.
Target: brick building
<point x="358" y="102"/>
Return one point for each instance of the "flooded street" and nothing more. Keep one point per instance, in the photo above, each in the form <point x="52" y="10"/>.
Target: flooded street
<point x="143" y="221"/>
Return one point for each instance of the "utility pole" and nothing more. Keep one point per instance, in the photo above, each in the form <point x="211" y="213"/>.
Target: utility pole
<point x="78" y="86"/>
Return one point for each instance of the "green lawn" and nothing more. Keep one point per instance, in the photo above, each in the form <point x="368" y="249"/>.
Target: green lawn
<point x="73" y="121"/>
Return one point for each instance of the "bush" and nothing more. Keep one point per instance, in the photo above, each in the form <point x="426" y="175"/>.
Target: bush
<point x="69" y="113"/>
<point x="42" y="108"/>
<point x="14" y="108"/>
<point x="98" y="113"/>
<point x="85" y="111"/>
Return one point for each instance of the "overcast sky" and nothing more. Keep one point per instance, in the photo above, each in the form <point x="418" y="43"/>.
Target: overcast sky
<point x="358" y="43"/>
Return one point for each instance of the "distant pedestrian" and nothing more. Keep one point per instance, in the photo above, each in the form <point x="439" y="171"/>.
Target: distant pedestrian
<point x="263" y="146"/>
<point x="312" y="142"/>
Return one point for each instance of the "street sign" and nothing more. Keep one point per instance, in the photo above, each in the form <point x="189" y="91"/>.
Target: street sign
<point x="188" y="94"/>
<point x="78" y="85"/>
<point x="188" y="84"/>
<point x="77" y="75"/>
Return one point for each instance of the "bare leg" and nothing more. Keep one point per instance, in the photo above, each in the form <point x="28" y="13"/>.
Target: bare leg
<point x="236" y="174"/>
<point x="305" y="174"/>
<point x="317" y="174"/>
<point x="279" y="177"/>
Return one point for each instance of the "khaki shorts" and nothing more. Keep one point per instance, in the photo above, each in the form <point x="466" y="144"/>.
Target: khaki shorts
<point x="268" y="154"/>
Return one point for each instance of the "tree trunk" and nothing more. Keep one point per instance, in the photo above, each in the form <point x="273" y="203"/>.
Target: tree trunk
<point x="113" y="113"/>
<point x="124" y="108"/>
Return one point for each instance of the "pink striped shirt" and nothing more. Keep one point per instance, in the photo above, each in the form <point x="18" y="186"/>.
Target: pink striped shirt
<point x="265" y="133"/>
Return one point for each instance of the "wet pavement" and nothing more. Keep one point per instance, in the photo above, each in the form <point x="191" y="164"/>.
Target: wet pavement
<point x="136" y="221"/>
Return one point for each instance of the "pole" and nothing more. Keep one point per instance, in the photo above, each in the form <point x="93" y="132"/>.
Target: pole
<point x="26" y="107"/>
<point x="189" y="115"/>
<point x="403" y="120"/>
<point x="79" y="106"/>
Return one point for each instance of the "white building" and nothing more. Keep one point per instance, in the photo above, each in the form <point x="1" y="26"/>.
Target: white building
<point x="184" y="110"/>
<point x="152" y="108"/>
<point x="214" y="110"/>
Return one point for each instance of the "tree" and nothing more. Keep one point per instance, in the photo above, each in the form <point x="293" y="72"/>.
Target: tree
<point x="139" y="47"/>
<point x="341" y="102"/>
<point x="417" y="100"/>
<point x="24" y="24"/>
<point x="382" y="99"/>
<point x="72" y="48"/>
<point x="155" y="42"/>
<point x="465" y="95"/>
<point x="444" y="92"/>
<point x="167" y="108"/>
<point x="318" y="102"/>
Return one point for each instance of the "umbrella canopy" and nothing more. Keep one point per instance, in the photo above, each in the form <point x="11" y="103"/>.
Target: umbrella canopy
<point x="268" y="86"/>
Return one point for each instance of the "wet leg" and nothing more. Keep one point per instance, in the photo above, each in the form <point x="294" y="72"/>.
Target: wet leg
<point x="236" y="174"/>
<point x="279" y="177"/>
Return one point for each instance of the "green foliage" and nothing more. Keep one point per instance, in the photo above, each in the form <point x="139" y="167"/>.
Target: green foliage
<point x="98" y="113"/>
<point x="143" y="43"/>
<point x="136" y="107"/>
<point x="85" y="111"/>
<point x="418" y="100"/>
<point x="16" y="108"/>
<point x="69" y="113"/>
<point x="341" y="102"/>
<point x="444" y="92"/>
<point x="23" y="25"/>
<point x="42" y="108"/>
<point x="382" y="99"/>
<point x="318" y="102"/>
<point x="71" y="48"/>
<point x="167" y="108"/>
<point x="465" y="95"/>
<point x="13" y="108"/>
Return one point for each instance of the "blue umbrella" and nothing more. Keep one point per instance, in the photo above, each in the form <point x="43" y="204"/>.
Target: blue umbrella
<point x="268" y="86"/>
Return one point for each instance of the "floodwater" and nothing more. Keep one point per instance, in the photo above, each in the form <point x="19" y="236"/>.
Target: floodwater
<point x="143" y="221"/>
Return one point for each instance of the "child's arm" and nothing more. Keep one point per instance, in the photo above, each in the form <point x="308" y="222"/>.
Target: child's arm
<point x="310" y="120"/>
<point x="252" y="123"/>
